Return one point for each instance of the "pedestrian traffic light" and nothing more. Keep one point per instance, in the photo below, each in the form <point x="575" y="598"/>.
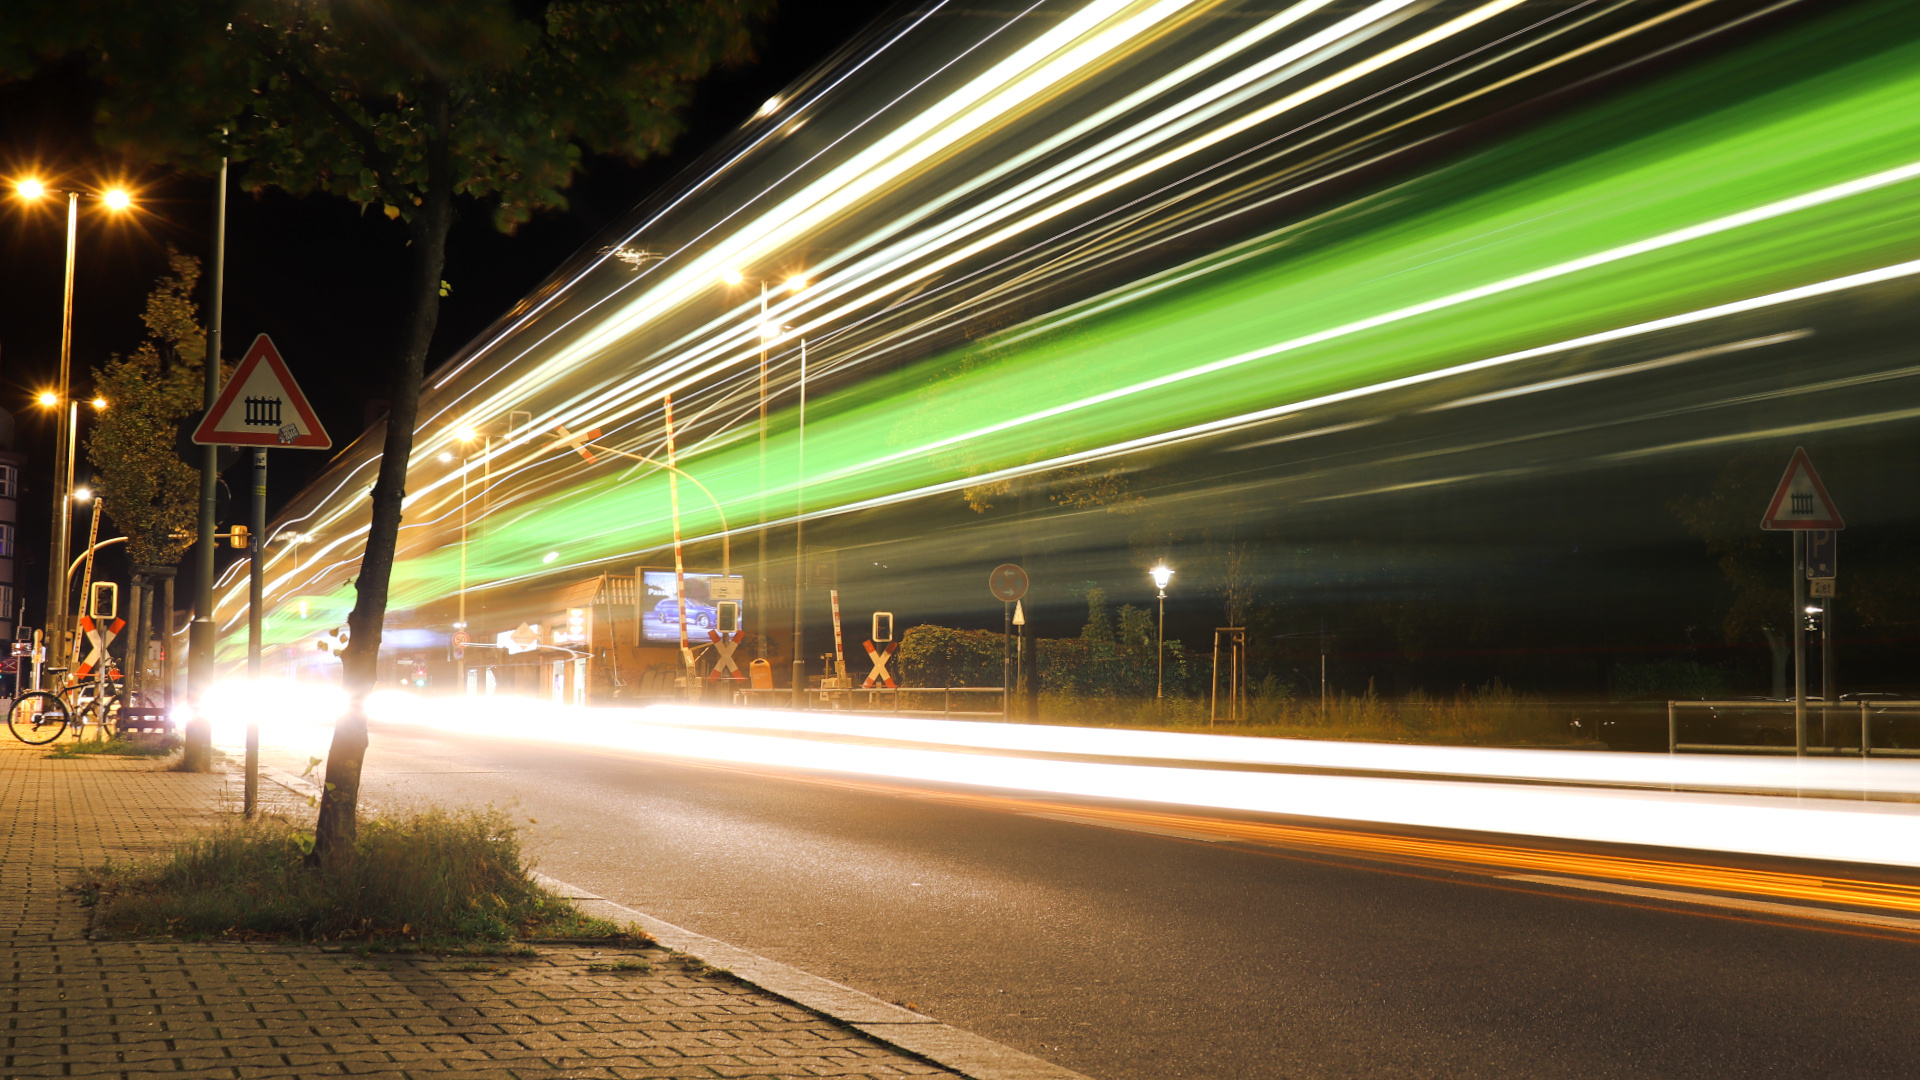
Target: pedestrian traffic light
<point x="239" y="536"/>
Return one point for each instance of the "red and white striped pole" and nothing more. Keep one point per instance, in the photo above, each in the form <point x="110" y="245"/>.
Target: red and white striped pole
<point x="839" y="652"/>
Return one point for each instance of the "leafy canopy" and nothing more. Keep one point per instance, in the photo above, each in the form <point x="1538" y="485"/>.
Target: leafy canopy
<point x="383" y="101"/>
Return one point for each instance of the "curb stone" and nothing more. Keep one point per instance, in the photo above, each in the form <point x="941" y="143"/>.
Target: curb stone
<point x="964" y="1052"/>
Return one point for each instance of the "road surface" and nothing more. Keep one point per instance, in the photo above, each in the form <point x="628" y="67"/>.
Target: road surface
<point x="1157" y="949"/>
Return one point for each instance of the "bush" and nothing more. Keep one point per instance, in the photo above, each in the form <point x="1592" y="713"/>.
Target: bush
<point x="943" y="656"/>
<point x="433" y="877"/>
<point x="1667" y="680"/>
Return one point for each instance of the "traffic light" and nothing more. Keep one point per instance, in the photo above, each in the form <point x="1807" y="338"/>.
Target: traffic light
<point x="104" y="603"/>
<point x="239" y="536"/>
<point x="419" y="673"/>
<point x="727" y="616"/>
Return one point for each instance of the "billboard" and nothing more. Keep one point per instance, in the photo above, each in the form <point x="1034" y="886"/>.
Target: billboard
<point x="660" y="605"/>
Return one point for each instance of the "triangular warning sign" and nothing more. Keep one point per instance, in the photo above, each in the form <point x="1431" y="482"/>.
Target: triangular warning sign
<point x="262" y="406"/>
<point x="1801" y="501"/>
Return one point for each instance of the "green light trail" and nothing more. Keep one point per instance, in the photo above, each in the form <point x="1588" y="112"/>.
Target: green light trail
<point x="1775" y="121"/>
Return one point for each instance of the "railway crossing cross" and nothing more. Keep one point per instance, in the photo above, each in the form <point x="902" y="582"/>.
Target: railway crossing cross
<point x="101" y="639"/>
<point x="880" y="658"/>
<point x="723" y="646"/>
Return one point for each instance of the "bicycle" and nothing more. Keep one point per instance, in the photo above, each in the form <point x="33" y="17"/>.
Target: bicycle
<point x="85" y="704"/>
<point x="37" y="717"/>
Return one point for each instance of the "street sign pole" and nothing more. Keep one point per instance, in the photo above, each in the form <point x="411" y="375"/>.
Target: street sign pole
<point x="255" y="599"/>
<point x="1007" y="583"/>
<point x="260" y="406"/>
<point x="1007" y="663"/>
<point x="1800" y="644"/>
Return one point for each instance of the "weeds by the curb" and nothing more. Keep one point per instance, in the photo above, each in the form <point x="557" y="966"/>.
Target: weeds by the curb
<point x="438" y="881"/>
<point x="118" y="746"/>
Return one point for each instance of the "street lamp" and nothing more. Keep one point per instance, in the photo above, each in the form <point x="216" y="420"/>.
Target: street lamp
<point x="769" y="332"/>
<point x="32" y="189"/>
<point x="1161" y="574"/>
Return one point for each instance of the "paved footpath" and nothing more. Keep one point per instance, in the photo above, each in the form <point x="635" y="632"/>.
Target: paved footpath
<point x="130" y="1009"/>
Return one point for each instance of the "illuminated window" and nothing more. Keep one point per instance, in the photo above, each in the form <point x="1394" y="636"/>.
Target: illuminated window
<point x="9" y="482"/>
<point x="6" y="540"/>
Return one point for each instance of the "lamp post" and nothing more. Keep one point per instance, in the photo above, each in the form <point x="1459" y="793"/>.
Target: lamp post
<point x="793" y="284"/>
<point x="1161" y="574"/>
<point x="32" y="190"/>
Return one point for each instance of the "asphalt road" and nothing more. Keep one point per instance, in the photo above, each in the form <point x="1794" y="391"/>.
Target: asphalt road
<point x="1133" y="956"/>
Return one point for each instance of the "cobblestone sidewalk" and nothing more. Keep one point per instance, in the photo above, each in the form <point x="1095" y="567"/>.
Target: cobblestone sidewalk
<point x="79" y="1007"/>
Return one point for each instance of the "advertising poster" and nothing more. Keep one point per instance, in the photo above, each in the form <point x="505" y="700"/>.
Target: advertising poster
<point x="660" y="607"/>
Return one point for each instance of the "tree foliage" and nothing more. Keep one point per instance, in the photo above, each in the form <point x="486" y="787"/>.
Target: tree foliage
<point x="147" y="491"/>
<point x="389" y="103"/>
<point x="1756" y="564"/>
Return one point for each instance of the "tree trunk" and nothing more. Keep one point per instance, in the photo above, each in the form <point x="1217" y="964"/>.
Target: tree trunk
<point x="1782" y="655"/>
<point x="335" y="831"/>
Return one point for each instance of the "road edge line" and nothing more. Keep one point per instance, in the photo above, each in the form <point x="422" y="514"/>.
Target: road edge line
<point x="974" y="1056"/>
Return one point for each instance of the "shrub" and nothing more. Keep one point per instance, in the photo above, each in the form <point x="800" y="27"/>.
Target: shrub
<point x="943" y="656"/>
<point x="431" y="877"/>
<point x="1667" y="679"/>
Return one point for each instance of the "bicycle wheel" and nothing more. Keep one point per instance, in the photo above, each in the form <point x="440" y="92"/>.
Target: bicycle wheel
<point x="37" y="717"/>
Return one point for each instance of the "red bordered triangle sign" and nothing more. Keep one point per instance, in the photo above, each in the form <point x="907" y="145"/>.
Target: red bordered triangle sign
<point x="262" y="406"/>
<point x="1801" y="501"/>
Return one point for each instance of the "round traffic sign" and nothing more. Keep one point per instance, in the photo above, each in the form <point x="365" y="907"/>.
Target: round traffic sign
<point x="1007" y="582"/>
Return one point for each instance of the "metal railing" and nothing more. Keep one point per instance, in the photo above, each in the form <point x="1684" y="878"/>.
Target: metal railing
<point x="894" y="701"/>
<point x="1826" y="712"/>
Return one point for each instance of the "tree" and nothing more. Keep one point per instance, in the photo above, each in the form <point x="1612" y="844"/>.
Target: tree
<point x="1756" y="564"/>
<point x="413" y="107"/>
<point x="146" y="489"/>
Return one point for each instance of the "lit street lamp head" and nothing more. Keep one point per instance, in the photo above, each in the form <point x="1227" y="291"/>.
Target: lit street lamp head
<point x="1161" y="574"/>
<point x="48" y="398"/>
<point x="732" y="276"/>
<point x="100" y="403"/>
<point x="29" y="189"/>
<point x="117" y="199"/>
<point x="797" y="283"/>
<point x="81" y="494"/>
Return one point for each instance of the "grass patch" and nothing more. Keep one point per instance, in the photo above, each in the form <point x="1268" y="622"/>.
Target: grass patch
<point x="118" y="746"/>
<point x="436" y="880"/>
<point x="1491" y="715"/>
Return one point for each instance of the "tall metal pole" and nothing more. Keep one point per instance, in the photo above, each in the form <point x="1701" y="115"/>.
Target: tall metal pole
<point x="200" y="635"/>
<point x="760" y="639"/>
<point x="799" y="542"/>
<point x="66" y="517"/>
<point x="62" y="455"/>
<point x="1800" y="642"/>
<point x="679" y="564"/>
<point x="256" y="602"/>
<point x="1006" y="665"/>
<point x="1160" y="651"/>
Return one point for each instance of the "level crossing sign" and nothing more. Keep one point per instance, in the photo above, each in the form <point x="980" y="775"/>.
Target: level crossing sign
<point x="100" y="639"/>
<point x="1801" y="501"/>
<point x="723" y="663"/>
<point x="880" y="657"/>
<point x="262" y="405"/>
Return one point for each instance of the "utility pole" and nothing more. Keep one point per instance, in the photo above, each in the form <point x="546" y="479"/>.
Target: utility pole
<point x="198" y="753"/>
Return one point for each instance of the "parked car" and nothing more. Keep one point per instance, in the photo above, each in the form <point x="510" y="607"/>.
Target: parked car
<point x="699" y="613"/>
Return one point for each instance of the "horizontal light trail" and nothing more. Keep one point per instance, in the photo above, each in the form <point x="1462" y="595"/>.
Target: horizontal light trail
<point x="1830" y="829"/>
<point x="1823" y="889"/>
<point x="1776" y="775"/>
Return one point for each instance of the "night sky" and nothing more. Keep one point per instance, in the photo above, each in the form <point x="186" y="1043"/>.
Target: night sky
<point x="317" y="274"/>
